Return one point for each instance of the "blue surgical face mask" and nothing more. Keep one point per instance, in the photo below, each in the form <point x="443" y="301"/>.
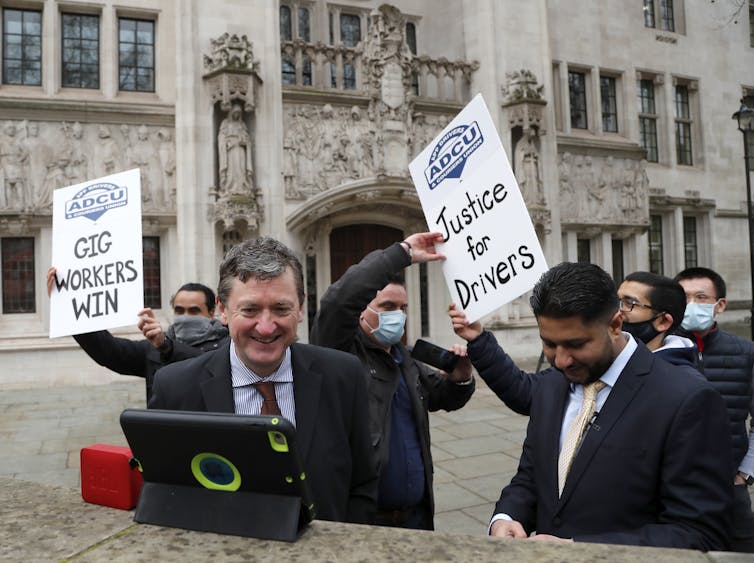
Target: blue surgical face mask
<point x="390" y="328"/>
<point x="698" y="317"/>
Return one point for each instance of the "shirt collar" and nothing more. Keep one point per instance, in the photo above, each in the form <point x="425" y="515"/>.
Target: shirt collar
<point x="241" y="375"/>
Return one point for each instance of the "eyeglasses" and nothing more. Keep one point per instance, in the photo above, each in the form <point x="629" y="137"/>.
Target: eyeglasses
<point x="627" y="305"/>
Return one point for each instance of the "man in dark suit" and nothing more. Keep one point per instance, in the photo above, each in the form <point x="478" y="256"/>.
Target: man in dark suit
<point x="621" y="446"/>
<point x="263" y="370"/>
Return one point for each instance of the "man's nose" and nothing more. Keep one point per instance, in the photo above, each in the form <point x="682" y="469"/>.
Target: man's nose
<point x="265" y="324"/>
<point x="563" y="359"/>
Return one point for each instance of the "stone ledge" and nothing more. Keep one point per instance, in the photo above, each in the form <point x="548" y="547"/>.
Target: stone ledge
<point x="42" y="522"/>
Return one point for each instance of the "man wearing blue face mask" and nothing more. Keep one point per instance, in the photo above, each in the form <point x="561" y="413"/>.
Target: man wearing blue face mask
<point x="727" y="362"/>
<point x="194" y="331"/>
<point x="364" y="313"/>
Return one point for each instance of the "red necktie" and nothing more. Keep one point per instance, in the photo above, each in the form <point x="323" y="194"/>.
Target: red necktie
<point x="270" y="404"/>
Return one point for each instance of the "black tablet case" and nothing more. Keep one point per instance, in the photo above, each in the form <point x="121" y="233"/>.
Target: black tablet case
<point x="273" y="500"/>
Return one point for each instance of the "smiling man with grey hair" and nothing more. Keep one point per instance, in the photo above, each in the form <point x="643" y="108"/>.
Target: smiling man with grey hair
<point x="263" y="370"/>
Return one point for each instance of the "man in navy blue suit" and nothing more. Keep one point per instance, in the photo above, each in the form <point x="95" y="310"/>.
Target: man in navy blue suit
<point x="647" y="440"/>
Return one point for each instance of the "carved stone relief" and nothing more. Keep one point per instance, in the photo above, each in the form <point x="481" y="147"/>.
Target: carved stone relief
<point x="324" y="147"/>
<point x="38" y="157"/>
<point x="603" y="190"/>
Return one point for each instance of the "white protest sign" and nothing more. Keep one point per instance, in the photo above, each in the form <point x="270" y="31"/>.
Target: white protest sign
<point x="468" y="193"/>
<point x="96" y="248"/>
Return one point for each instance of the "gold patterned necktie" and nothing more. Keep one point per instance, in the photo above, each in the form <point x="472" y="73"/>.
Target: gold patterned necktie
<point x="270" y="403"/>
<point x="576" y="431"/>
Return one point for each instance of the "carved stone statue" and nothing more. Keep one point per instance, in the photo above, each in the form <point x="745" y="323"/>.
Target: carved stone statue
<point x="106" y="152"/>
<point x="234" y="152"/>
<point x="141" y="155"/>
<point x="167" y="165"/>
<point x="14" y="156"/>
<point x="78" y="165"/>
<point x="527" y="168"/>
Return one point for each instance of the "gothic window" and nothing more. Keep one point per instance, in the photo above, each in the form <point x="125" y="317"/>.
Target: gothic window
<point x="655" y="244"/>
<point x="151" y="259"/>
<point x="751" y="23"/>
<point x="80" y="68"/>
<point x="647" y="118"/>
<point x="304" y="32"/>
<point x="649" y="13"/>
<point x="583" y="250"/>
<point x="609" y="104"/>
<point x="286" y="26"/>
<point x="665" y="15"/>
<point x="577" y="95"/>
<point x="306" y="71"/>
<point x="22" y="47"/>
<point x="684" y="153"/>
<point x="18" y="275"/>
<point x="411" y="42"/>
<point x="350" y="29"/>
<point x="690" y="250"/>
<point x="618" y="262"/>
<point x="136" y="55"/>
<point x="289" y="70"/>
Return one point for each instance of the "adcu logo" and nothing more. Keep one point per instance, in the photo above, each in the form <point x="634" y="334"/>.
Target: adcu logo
<point x="94" y="201"/>
<point x="451" y="152"/>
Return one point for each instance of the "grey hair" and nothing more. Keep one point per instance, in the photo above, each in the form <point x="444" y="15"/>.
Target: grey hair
<point x="263" y="259"/>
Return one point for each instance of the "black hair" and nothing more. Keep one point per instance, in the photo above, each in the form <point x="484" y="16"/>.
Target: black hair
<point x="209" y="295"/>
<point x="699" y="272"/>
<point x="575" y="289"/>
<point x="665" y="295"/>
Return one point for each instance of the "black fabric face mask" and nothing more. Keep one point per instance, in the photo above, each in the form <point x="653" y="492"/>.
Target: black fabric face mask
<point x="643" y="330"/>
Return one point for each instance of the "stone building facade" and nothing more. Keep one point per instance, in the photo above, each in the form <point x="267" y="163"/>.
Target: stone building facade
<point x="298" y="118"/>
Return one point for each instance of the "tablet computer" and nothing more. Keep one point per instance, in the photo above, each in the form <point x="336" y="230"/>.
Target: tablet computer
<point x="219" y="472"/>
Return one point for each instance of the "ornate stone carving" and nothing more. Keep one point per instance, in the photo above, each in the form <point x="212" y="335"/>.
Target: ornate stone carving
<point x="229" y="52"/>
<point x="14" y="161"/>
<point x="234" y="155"/>
<point x="603" y="190"/>
<point x="232" y="72"/>
<point x="51" y="155"/>
<point x="522" y="87"/>
<point x="528" y="169"/>
<point x="387" y="60"/>
<point x="524" y="101"/>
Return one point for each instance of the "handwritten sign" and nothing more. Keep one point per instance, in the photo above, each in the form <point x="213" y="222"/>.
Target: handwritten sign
<point x="96" y="248"/>
<point x="468" y="193"/>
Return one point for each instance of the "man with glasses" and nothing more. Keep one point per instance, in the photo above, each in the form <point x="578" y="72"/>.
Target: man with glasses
<point x="727" y="362"/>
<point x="652" y="307"/>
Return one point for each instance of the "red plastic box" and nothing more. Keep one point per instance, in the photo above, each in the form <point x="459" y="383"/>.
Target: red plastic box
<point x="107" y="477"/>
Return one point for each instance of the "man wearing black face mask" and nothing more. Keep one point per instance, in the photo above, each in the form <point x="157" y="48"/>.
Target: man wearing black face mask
<point x="194" y="331"/>
<point x="652" y="307"/>
<point x="364" y="313"/>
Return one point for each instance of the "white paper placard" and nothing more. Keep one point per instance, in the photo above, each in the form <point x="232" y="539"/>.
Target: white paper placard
<point x="97" y="250"/>
<point x="469" y="193"/>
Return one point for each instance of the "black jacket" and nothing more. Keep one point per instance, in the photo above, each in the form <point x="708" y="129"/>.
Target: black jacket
<point x="337" y="326"/>
<point x="727" y="362"/>
<point x="137" y="357"/>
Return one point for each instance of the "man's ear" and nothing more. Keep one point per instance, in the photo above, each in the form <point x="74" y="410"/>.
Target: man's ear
<point x="222" y="313"/>
<point x="664" y="322"/>
<point x="616" y="323"/>
<point x="722" y="303"/>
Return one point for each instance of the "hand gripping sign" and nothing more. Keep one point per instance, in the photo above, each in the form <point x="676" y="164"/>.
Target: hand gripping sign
<point x="468" y="193"/>
<point x="96" y="249"/>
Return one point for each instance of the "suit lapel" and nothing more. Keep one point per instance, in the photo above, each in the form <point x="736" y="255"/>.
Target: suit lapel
<point x="628" y="384"/>
<point x="307" y="387"/>
<point x="553" y="424"/>
<point x="217" y="388"/>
